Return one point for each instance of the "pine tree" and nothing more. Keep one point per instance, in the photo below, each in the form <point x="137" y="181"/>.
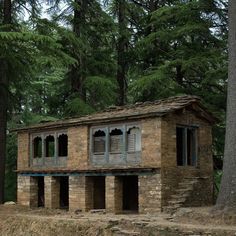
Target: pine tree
<point x="184" y="51"/>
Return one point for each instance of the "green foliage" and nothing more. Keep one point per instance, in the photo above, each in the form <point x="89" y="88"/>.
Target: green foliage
<point x="77" y="107"/>
<point x="101" y="91"/>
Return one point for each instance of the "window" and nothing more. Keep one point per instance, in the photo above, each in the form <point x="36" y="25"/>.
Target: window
<point x="37" y="147"/>
<point x="116" y="140"/>
<point x="49" y="146"/>
<point x="49" y="149"/>
<point x="62" y="145"/>
<point x="99" y="140"/>
<point x="133" y="139"/>
<point x="186" y="146"/>
<point x="116" y="144"/>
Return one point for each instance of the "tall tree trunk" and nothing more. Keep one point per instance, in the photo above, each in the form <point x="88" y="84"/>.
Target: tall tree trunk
<point x="3" y="102"/>
<point x="121" y="51"/>
<point x="227" y="196"/>
<point x="77" y="75"/>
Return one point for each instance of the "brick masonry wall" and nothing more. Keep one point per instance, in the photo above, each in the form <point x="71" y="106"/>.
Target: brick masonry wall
<point x="77" y="193"/>
<point x="78" y="147"/>
<point x="114" y="190"/>
<point x="172" y="174"/>
<point x="150" y="193"/>
<point x="27" y="191"/>
<point x="23" y="151"/>
<point x="151" y="142"/>
<point x="52" y="191"/>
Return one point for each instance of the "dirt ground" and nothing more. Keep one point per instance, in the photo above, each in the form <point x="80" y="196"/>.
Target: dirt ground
<point x="18" y="220"/>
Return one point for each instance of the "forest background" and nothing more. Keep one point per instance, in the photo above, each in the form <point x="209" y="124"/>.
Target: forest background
<point x="87" y="55"/>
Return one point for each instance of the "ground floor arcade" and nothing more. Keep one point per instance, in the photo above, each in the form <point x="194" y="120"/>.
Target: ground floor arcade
<point x="116" y="193"/>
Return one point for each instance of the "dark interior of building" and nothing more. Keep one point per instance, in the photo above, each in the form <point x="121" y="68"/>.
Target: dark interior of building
<point x="99" y="192"/>
<point x="64" y="192"/>
<point x="130" y="193"/>
<point x="40" y="191"/>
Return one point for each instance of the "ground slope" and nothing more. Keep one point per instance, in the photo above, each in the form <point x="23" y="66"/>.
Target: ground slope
<point x="16" y="220"/>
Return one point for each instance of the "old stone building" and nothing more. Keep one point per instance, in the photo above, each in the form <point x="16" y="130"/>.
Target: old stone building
<point x="146" y="158"/>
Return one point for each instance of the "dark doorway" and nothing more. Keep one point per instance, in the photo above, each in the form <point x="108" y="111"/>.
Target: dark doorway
<point x="64" y="192"/>
<point x="41" y="191"/>
<point x="99" y="192"/>
<point x="130" y="193"/>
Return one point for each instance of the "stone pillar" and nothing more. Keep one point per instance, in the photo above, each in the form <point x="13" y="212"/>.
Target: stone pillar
<point x="150" y="193"/>
<point x="80" y="193"/>
<point x="114" y="194"/>
<point x="27" y="191"/>
<point x="89" y="193"/>
<point x="77" y="193"/>
<point x="52" y="191"/>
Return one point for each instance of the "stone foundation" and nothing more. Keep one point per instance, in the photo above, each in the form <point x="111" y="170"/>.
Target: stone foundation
<point x="82" y="191"/>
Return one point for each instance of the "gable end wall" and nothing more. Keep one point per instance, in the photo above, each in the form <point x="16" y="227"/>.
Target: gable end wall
<point x="172" y="174"/>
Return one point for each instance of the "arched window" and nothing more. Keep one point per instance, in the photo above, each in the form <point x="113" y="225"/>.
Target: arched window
<point x="99" y="140"/>
<point x="62" y="145"/>
<point x="37" y="147"/>
<point x="134" y="139"/>
<point x="116" y="140"/>
<point x="49" y="146"/>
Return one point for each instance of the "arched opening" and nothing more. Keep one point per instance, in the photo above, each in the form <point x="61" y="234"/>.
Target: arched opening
<point x="99" y="140"/>
<point x="37" y="147"/>
<point x="49" y="146"/>
<point x="134" y="139"/>
<point x="62" y="145"/>
<point x="116" y="141"/>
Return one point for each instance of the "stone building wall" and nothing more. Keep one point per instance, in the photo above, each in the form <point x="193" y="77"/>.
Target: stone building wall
<point x="150" y="193"/>
<point x="78" y="147"/>
<point x="27" y="190"/>
<point x="151" y="142"/>
<point x="172" y="174"/>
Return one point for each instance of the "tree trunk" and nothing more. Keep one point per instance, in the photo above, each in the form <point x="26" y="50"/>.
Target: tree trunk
<point x="77" y="75"/>
<point x="3" y="102"/>
<point x="227" y="196"/>
<point x="121" y="50"/>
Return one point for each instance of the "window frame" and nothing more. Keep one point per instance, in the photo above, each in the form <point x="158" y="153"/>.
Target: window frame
<point x="43" y="135"/>
<point x="92" y="137"/>
<point x="194" y="153"/>
<point x="109" y="157"/>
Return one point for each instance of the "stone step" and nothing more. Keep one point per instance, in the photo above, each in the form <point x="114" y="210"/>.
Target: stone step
<point x="175" y="206"/>
<point x="185" y="184"/>
<point x="179" y="199"/>
<point x="116" y="231"/>
<point x="183" y="195"/>
<point x="183" y="190"/>
<point x="175" y="202"/>
<point x="170" y="209"/>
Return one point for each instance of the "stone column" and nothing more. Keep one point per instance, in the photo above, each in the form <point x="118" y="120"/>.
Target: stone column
<point x="27" y="191"/>
<point x="77" y="193"/>
<point x="114" y="194"/>
<point x="52" y="191"/>
<point x="89" y="193"/>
